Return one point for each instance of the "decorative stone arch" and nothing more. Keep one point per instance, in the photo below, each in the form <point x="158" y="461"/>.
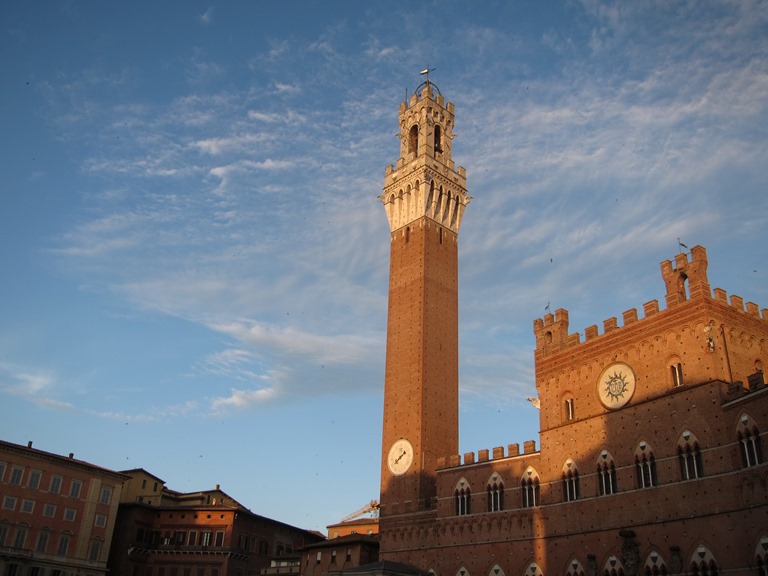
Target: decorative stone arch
<point x="435" y="210"/>
<point x="447" y="202"/>
<point x="455" y="211"/>
<point x="761" y="556"/>
<point x="530" y="488"/>
<point x="703" y="562"/>
<point x="645" y="466"/>
<point x="428" y="210"/>
<point x="533" y="569"/>
<point x="494" y="489"/>
<point x="689" y="456"/>
<point x="571" y="484"/>
<point x="463" y="497"/>
<point x="496" y="570"/>
<point x="749" y="440"/>
<point x="606" y="472"/>
<point x="613" y="567"/>
<point x="574" y="568"/>
<point x="655" y="564"/>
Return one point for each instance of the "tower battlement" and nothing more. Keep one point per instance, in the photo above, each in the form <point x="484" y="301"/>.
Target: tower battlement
<point x="685" y="280"/>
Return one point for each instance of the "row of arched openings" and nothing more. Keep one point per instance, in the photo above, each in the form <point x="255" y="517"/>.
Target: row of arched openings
<point x="689" y="456"/>
<point x="701" y="563"/>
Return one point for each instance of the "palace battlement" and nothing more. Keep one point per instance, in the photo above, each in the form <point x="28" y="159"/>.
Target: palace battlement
<point x="685" y="280"/>
<point x="498" y="453"/>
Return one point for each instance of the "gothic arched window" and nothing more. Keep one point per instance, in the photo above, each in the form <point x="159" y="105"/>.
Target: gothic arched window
<point x="645" y="466"/>
<point x="531" y="491"/>
<point x="413" y="140"/>
<point x="495" y="492"/>
<point x="750" y="443"/>
<point x="570" y="481"/>
<point x="463" y="498"/>
<point x="606" y="474"/>
<point x="689" y="455"/>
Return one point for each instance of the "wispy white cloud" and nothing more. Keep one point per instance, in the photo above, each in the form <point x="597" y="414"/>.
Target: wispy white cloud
<point x="207" y="16"/>
<point x="322" y="348"/>
<point x="286" y="88"/>
<point x="287" y="117"/>
<point x="242" y="399"/>
<point x="237" y="143"/>
<point x="34" y="385"/>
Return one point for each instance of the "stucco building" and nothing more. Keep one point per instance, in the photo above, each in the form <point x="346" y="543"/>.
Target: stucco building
<point x="161" y="532"/>
<point x="57" y="513"/>
<point x="650" y="457"/>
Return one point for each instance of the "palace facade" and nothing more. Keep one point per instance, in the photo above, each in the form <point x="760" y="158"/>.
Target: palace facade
<point x="651" y="449"/>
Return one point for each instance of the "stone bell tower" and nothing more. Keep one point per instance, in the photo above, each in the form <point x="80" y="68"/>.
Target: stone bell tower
<point x="424" y="198"/>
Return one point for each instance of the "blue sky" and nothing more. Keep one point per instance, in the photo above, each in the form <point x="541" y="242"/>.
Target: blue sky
<point x="195" y="260"/>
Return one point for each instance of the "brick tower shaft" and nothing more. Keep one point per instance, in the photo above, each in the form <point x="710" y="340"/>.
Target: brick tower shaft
<point x="424" y="197"/>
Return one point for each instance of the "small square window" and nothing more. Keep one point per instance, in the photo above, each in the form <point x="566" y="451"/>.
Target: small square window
<point x="16" y="474"/>
<point x="49" y="510"/>
<point x="100" y="521"/>
<point x="9" y="503"/>
<point x="69" y="514"/>
<point x="27" y="506"/>
<point x="75" y="488"/>
<point x="55" y="487"/>
<point x="33" y="481"/>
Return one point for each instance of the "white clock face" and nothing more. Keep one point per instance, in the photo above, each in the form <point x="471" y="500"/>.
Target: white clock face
<point x="400" y="457"/>
<point x="616" y="385"/>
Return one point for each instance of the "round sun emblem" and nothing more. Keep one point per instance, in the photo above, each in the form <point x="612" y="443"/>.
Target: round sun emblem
<point x="616" y="385"/>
